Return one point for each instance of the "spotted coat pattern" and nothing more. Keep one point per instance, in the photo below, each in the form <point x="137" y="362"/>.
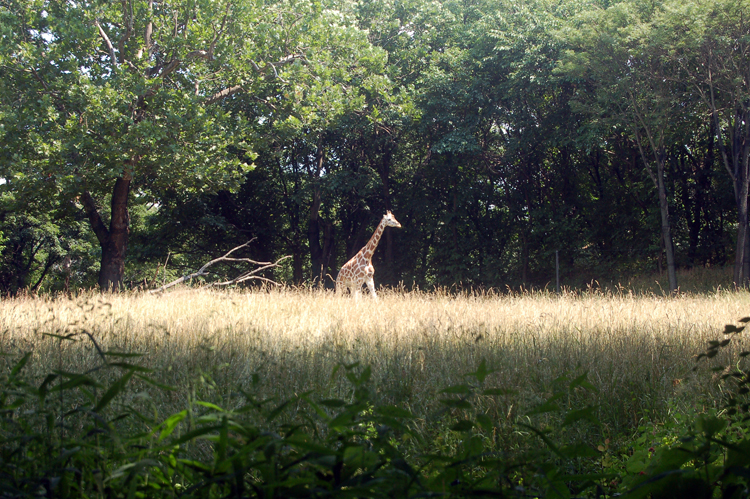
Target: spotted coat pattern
<point x="359" y="269"/>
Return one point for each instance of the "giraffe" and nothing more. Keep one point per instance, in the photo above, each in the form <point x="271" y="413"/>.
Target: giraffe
<point x="359" y="269"/>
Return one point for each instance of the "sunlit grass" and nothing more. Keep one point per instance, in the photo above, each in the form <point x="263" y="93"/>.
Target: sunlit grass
<point x="638" y="350"/>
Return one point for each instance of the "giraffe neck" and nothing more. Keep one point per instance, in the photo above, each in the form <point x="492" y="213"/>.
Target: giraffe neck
<point x="369" y="248"/>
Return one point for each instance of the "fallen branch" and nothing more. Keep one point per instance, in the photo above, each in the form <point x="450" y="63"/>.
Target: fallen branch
<point x="245" y="276"/>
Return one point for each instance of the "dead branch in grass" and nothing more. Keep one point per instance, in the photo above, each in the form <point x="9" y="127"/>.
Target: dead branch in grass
<point x="243" y="277"/>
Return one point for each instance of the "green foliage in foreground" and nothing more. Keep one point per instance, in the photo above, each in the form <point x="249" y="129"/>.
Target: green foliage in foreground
<point x="76" y="435"/>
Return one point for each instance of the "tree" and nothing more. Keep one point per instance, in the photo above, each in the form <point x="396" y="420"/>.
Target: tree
<point x="306" y="128"/>
<point x="115" y="99"/>
<point x="709" y="41"/>
<point x="498" y="132"/>
<point x="617" y="59"/>
<point x="341" y="90"/>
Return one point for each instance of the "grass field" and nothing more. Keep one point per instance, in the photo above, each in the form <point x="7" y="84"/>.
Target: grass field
<point x="638" y="350"/>
<point x="303" y="393"/>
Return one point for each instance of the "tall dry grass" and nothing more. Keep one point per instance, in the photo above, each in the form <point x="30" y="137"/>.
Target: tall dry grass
<point x="637" y="350"/>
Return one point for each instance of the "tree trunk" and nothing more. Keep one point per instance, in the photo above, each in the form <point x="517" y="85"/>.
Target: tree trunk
<point x="741" y="181"/>
<point x="743" y="147"/>
<point x="329" y="244"/>
<point x="524" y="258"/>
<point x="736" y="160"/>
<point x="693" y="200"/>
<point x="703" y="187"/>
<point x="113" y="240"/>
<point x="657" y="149"/>
<point x="296" y="240"/>
<point x="385" y="177"/>
<point x="313" y="226"/>
<point x="313" y="240"/>
<point x="666" y="231"/>
<point x="746" y="258"/>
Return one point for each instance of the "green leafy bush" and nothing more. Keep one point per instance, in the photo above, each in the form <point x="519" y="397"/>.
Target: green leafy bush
<point x="711" y="457"/>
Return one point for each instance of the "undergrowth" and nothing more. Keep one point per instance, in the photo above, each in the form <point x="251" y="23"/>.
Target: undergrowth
<point x="76" y="434"/>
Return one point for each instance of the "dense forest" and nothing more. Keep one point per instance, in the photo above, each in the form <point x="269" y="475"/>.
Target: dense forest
<point x="142" y="138"/>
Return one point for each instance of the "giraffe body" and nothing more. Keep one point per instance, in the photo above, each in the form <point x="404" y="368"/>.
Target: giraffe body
<point x="359" y="269"/>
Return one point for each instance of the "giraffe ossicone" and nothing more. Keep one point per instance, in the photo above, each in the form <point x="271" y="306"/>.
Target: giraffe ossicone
<point x="359" y="269"/>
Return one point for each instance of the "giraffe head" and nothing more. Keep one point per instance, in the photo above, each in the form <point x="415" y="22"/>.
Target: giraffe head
<point x="390" y="220"/>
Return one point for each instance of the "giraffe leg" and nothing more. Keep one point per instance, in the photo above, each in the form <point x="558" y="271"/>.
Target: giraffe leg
<point x="371" y="286"/>
<point x="342" y="281"/>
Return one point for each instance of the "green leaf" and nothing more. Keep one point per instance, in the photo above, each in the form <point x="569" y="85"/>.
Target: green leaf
<point x="579" y="450"/>
<point x="47" y="381"/>
<point x="547" y="406"/>
<point x="499" y="391"/>
<point x="344" y="419"/>
<point x="739" y="455"/>
<point x="19" y="365"/>
<point x="132" y="367"/>
<point x="209" y="405"/>
<point x="583" y="382"/>
<point x="485" y="422"/>
<point x="76" y="381"/>
<point x="542" y="435"/>
<point x="366" y="374"/>
<point x="280" y="408"/>
<point x="197" y="465"/>
<point x="171" y="423"/>
<point x="710" y="425"/>
<point x="481" y="373"/>
<point x="126" y="355"/>
<point x="577" y="415"/>
<point x="113" y="391"/>
<point x="730" y="329"/>
<point x="152" y="382"/>
<point x="306" y="444"/>
<point x="332" y="403"/>
<point x="209" y="432"/>
<point x="66" y="337"/>
<point x="393" y="411"/>
<point x="463" y="425"/>
<point x="456" y="403"/>
<point x="457" y="389"/>
<point x="637" y="462"/>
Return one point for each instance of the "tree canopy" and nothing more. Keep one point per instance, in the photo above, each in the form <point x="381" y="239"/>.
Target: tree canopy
<point x="147" y="136"/>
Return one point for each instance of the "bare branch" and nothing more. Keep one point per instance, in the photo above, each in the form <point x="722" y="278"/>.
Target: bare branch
<point x="290" y="58"/>
<point x="202" y="270"/>
<point x="246" y="276"/>
<point x="198" y="54"/>
<point x="224" y="93"/>
<point x="253" y="274"/>
<point x="92" y="212"/>
<point x="41" y="80"/>
<point x="270" y="67"/>
<point x="127" y="17"/>
<point x="169" y="68"/>
<point x="107" y="41"/>
<point x="220" y="31"/>
<point x="147" y="40"/>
